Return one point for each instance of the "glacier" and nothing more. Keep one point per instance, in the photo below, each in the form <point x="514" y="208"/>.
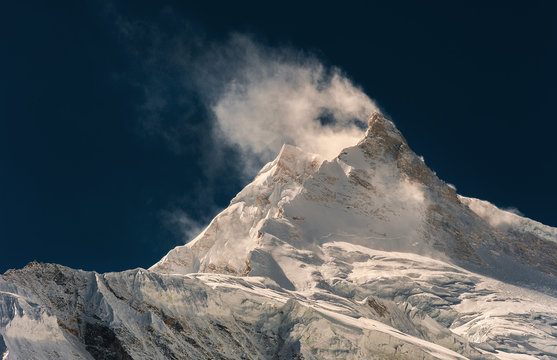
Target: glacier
<point x="365" y="256"/>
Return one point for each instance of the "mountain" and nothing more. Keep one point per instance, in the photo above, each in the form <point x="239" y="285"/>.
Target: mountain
<point x="367" y="256"/>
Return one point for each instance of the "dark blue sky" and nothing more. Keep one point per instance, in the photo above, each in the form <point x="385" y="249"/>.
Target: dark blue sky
<point x="88" y="176"/>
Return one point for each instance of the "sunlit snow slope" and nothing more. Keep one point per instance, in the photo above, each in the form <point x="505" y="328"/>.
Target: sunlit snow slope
<point x="367" y="256"/>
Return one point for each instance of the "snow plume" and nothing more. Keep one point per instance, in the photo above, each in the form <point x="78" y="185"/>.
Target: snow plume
<point x="253" y="97"/>
<point x="184" y="226"/>
<point x="250" y="96"/>
<point x="227" y="105"/>
<point x="492" y="214"/>
<point x="278" y="96"/>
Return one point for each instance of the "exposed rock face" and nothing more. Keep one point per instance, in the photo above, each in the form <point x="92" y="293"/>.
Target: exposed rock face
<point x="452" y="226"/>
<point x="369" y="255"/>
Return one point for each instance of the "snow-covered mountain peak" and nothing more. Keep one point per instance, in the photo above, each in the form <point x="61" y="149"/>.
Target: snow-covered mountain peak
<point x="225" y="245"/>
<point x="298" y="200"/>
<point x="369" y="255"/>
<point x="378" y="194"/>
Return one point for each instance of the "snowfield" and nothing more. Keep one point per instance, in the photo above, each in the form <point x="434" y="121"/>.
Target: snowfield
<point x="367" y="256"/>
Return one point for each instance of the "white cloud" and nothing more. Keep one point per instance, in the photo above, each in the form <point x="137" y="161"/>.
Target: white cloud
<point x="276" y="96"/>
<point x="237" y="101"/>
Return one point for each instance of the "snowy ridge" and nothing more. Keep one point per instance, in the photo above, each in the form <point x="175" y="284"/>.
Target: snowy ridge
<point x="225" y="244"/>
<point x="368" y="255"/>
<point x="507" y="220"/>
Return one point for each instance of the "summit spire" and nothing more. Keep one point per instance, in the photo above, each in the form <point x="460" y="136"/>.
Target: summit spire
<point x="375" y="116"/>
<point x="382" y="138"/>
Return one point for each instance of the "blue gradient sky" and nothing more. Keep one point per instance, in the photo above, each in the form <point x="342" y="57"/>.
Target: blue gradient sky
<point x="88" y="176"/>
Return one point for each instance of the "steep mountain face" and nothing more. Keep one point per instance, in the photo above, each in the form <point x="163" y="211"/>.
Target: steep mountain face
<point x="378" y="194"/>
<point x="369" y="255"/>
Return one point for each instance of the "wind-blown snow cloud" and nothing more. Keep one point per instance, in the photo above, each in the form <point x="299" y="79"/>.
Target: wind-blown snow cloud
<point x="227" y="106"/>
<point x="276" y="96"/>
<point x="257" y="97"/>
<point x="182" y="224"/>
<point x="495" y="216"/>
